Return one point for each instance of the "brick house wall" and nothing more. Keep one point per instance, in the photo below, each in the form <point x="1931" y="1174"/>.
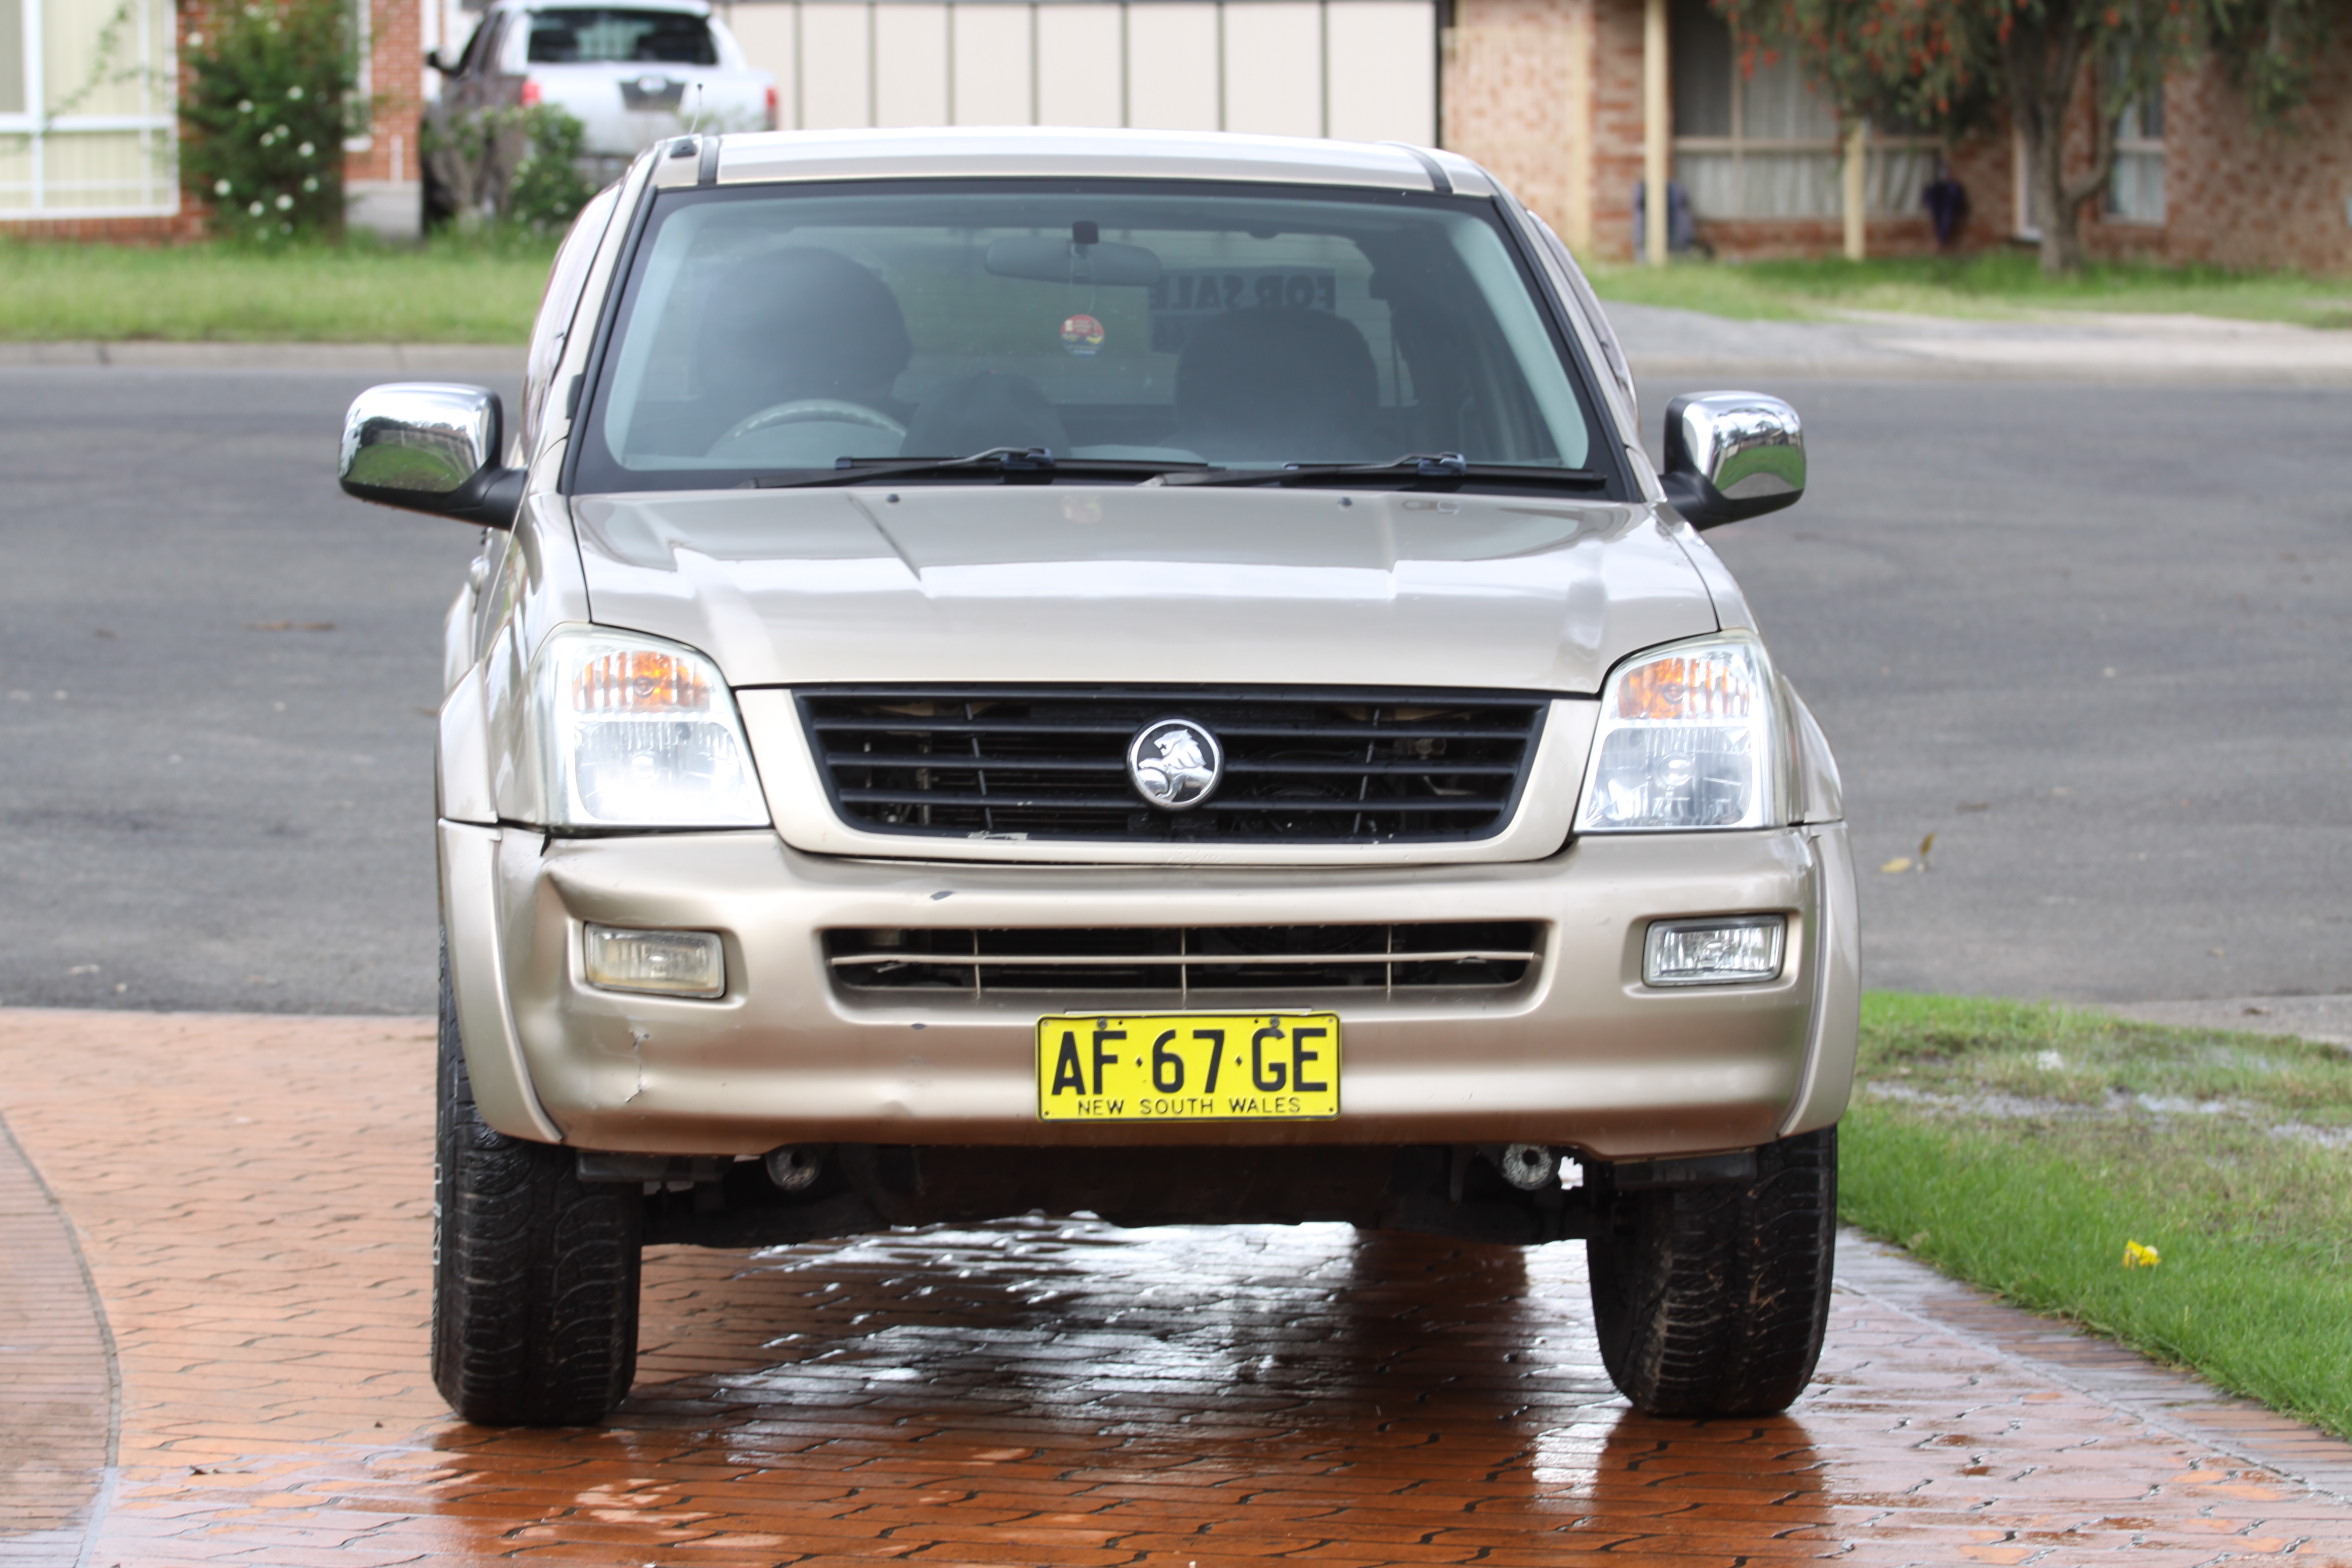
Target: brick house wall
<point x="1548" y="94"/>
<point x="2239" y="196"/>
<point x="381" y="171"/>
<point x="1512" y="100"/>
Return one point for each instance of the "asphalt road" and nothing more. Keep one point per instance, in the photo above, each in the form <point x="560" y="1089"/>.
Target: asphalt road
<point x="217" y="680"/>
<point x="2094" y="639"/>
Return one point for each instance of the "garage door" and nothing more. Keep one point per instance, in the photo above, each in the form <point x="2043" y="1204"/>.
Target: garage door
<point x="1360" y="69"/>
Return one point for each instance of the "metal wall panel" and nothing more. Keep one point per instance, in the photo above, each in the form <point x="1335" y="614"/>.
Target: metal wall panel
<point x="837" y="66"/>
<point x="1081" y="64"/>
<point x="910" y="58"/>
<point x="992" y="60"/>
<point x="1360" y="70"/>
<point x="1273" y="54"/>
<point x="1380" y="65"/>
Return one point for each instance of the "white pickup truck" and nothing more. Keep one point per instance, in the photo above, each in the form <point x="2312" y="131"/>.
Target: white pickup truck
<point x="631" y="74"/>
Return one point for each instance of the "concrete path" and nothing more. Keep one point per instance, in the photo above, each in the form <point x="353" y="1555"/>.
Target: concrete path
<point x="2327" y="1019"/>
<point x="467" y="361"/>
<point x="252" y="1197"/>
<point x="2070" y="346"/>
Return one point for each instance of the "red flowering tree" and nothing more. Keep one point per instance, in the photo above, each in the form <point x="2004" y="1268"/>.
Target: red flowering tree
<point x="1947" y="65"/>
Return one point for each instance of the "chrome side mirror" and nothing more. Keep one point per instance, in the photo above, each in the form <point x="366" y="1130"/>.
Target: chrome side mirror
<point x="431" y="448"/>
<point x="1732" y="455"/>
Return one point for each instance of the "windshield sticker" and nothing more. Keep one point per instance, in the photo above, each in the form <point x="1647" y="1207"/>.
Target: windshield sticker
<point x="1082" y="335"/>
<point x="1185" y="297"/>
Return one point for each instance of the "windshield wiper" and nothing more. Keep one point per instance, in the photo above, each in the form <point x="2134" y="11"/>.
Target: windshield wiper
<point x="1419" y="470"/>
<point x="1012" y="465"/>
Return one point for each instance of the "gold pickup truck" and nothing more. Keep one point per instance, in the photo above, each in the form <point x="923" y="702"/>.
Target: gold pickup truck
<point x="1122" y="673"/>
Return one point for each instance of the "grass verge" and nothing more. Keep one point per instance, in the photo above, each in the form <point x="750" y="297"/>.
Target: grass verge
<point x="1981" y="283"/>
<point x="2019" y="1147"/>
<point x="445" y="292"/>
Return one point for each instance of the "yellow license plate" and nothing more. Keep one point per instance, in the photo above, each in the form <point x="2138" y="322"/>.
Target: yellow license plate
<point x="1187" y="1067"/>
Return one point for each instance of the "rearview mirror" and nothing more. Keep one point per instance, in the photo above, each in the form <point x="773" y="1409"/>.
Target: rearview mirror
<point x="1732" y="455"/>
<point x="433" y="448"/>
<point x="1052" y="258"/>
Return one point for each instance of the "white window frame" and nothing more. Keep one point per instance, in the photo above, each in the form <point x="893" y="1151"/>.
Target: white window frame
<point x="1832" y="149"/>
<point x="159" y="131"/>
<point x="2146" y="151"/>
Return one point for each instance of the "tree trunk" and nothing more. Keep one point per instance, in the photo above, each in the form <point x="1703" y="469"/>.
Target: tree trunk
<point x="2047" y="61"/>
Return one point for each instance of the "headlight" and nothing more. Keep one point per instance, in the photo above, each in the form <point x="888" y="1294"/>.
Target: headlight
<point x="1689" y="737"/>
<point x="637" y="733"/>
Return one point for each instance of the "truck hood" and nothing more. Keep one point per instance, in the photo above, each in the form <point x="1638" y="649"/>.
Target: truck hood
<point x="1150" y="584"/>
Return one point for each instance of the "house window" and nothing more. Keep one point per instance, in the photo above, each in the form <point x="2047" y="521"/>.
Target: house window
<point x="2135" y="192"/>
<point x="1761" y="143"/>
<point x="86" y="122"/>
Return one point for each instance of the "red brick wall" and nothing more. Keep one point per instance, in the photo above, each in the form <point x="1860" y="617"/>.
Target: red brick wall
<point x="187" y="224"/>
<point x="1507" y="95"/>
<point x="395" y="63"/>
<point x="1617" y="125"/>
<point x="1511" y="101"/>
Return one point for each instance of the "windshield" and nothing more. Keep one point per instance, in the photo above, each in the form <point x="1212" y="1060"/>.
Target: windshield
<point x="596" y="35"/>
<point x="772" y="331"/>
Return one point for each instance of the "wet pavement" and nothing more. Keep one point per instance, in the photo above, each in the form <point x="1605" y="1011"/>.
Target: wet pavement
<point x="251" y="1198"/>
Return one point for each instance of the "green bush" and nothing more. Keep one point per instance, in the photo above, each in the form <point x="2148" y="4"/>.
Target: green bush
<point x="548" y="190"/>
<point x="511" y="168"/>
<point x="268" y="106"/>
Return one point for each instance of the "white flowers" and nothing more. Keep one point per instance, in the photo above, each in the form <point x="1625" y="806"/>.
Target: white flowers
<point x="220" y="187"/>
<point x="294" y="93"/>
<point x="308" y="150"/>
<point x="256" y="209"/>
<point x="285" y="202"/>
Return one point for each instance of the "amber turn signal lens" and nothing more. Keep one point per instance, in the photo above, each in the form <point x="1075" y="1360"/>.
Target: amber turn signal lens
<point x="1697" y="686"/>
<point x="647" y="682"/>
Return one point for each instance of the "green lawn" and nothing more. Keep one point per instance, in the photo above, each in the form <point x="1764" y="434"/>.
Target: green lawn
<point x="1985" y="283"/>
<point x="456" y="291"/>
<point x="358" y="293"/>
<point x="2021" y="1147"/>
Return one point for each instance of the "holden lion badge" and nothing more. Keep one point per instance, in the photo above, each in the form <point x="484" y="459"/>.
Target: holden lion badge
<point x="1175" y="763"/>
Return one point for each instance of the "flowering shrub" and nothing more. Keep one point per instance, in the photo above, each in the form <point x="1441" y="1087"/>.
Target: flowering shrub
<point x="268" y="106"/>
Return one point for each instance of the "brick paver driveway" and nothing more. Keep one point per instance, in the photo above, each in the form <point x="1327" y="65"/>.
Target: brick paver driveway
<point x="251" y="1197"/>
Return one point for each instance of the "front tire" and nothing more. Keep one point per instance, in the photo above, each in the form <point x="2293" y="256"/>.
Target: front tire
<point x="1710" y="1300"/>
<point x="534" y="1270"/>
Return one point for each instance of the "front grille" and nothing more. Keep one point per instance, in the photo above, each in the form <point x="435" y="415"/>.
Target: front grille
<point x="1301" y="767"/>
<point x="1185" y="959"/>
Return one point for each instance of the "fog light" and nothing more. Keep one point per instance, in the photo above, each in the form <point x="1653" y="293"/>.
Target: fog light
<point x="665" y="963"/>
<point x="1713" y="952"/>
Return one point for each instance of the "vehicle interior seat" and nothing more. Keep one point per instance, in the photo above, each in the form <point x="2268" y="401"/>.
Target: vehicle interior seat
<point x="801" y="323"/>
<point x="1278" y="384"/>
<point x="978" y="412"/>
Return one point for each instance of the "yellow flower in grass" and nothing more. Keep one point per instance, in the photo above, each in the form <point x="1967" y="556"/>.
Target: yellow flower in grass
<point x="2139" y="1255"/>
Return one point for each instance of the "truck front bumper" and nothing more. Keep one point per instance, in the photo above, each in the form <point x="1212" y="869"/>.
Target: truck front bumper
<point x="1580" y="1054"/>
